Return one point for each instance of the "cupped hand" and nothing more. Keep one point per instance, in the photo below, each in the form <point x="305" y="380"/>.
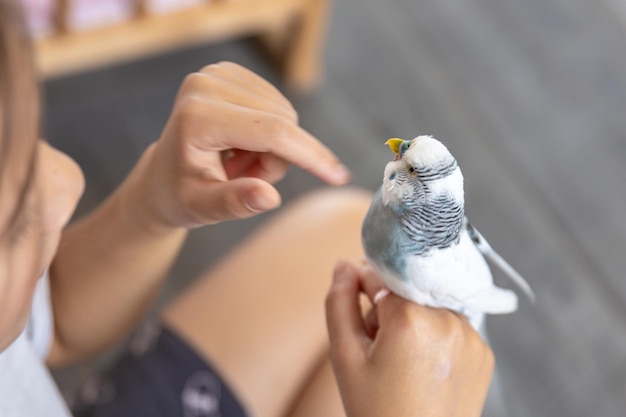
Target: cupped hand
<point x="402" y="359"/>
<point x="230" y="137"/>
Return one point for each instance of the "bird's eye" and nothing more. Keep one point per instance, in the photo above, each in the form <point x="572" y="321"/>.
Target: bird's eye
<point x="404" y="147"/>
<point x="411" y="169"/>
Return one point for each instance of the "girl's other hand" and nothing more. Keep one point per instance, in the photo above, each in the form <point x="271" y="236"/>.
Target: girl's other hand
<point x="403" y="359"/>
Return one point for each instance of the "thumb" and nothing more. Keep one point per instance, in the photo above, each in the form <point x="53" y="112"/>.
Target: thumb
<point x="346" y="329"/>
<point x="237" y="199"/>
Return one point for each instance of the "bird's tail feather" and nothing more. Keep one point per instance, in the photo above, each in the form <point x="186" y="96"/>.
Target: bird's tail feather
<point x="498" y="260"/>
<point x="493" y="301"/>
<point x="494" y="257"/>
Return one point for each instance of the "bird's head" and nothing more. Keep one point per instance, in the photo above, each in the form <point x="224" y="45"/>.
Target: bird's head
<point x="423" y="168"/>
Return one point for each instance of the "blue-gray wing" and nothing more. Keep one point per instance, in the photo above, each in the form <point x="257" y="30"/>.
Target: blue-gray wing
<point x="385" y="241"/>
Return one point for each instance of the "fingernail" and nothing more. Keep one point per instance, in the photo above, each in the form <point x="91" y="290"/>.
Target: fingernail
<point x="341" y="174"/>
<point x="380" y="295"/>
<point x="259" y="203"/>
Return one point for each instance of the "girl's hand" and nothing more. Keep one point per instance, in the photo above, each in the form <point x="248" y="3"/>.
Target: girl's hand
<point x="403" y="359"/>
<point x="231" y="135"/>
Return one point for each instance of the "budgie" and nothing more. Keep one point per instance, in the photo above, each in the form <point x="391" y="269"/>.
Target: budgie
<point x="417" y="237"/>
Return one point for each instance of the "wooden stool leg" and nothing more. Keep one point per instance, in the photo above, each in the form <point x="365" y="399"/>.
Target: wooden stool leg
<point x="304" y="59"/>
<point x="298" y="45"/>
<point x="60" y="15"/>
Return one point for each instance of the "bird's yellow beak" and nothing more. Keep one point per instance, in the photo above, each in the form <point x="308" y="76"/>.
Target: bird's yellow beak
<point x="394" y="145"/>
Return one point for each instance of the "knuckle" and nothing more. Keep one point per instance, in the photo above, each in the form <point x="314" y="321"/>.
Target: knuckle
<point x="330" y="299"/>
<point x="490" y="358"/>
<point x="406" y="316"/>
<point x="211" y="68"/>
<point x="192" y="81"/>
<point x="292" y="114"/>
<point x="329" y="304"/>
<point x="465" y="336"/>
<point x="191" y="114"/>
<point x="279" y="128"/>
<point x="186" y="120"/>
<point x="480" y="348"/>
<point x="335" y="293"/>
<point x="219" y="67"/>
<point x="272" y="168"/>
<point x="455" y="324"/>
<point x="199" y="84"/>
<point x="338" y="291"/>
<point x="448" y="329"/>
<point x="271" y="177"/>
<point x="462" y="340"/>
<point x="188" y="107"/>
<point x="226" y="64"/>
<point x="230" y="66"/>
<point x="234" y="207"/>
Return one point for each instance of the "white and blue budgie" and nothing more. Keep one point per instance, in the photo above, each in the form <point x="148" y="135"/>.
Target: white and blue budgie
<point x="416" y="236"/>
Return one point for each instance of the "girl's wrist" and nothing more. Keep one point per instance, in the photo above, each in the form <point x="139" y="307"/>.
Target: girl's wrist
<point x="137" y="200"/>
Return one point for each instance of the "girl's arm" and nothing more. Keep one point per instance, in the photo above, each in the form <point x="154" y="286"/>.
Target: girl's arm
<point x="230" y="137"/>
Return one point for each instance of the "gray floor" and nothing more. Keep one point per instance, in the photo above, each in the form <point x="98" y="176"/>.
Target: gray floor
<point x="530" y="96"/>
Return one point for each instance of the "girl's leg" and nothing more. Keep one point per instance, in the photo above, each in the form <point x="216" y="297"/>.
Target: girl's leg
<point x="320" y="397"/>
<point x="258" y="316"/>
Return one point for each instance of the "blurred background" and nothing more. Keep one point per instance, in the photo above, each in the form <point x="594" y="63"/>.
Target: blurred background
<point x="530" y="96"/>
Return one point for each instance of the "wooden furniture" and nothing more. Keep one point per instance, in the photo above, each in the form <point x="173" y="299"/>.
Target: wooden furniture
<point x="292" y="30"/>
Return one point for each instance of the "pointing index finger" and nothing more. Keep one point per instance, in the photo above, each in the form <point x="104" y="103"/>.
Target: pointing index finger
<point x="307" y="152"/>
<point x="281" y="137"/>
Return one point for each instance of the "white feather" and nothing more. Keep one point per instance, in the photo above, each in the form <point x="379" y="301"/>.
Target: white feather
<point x="457" y="278"/>
<point x="426" y="151"/>
<point x="392" y="191"/>
<point x="452" y="184"/>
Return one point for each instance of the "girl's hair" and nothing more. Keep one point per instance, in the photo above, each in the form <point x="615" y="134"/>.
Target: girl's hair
<point x="19" y="98"/>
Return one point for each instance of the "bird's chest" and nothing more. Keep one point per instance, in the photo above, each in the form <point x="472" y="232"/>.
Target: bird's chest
<point x="441" y="277"/>
<point x="439" y="269"/>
